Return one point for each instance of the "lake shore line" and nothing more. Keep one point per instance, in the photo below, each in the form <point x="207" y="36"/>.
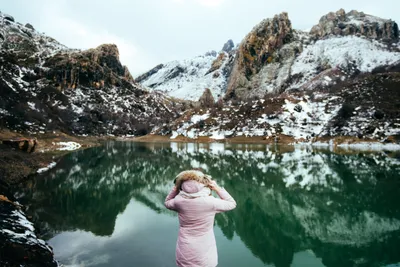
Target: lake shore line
<point x="333" y="143"/>
<point x="23" y="157"/>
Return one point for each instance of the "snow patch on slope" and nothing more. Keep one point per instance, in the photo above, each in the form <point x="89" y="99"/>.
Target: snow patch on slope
<point x="339" y="52"/>
<point x="187" y="79"/>
<point x="304" y="119"/>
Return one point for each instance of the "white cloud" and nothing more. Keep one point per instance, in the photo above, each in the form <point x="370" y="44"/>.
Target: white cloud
<point x="75" y="34"/>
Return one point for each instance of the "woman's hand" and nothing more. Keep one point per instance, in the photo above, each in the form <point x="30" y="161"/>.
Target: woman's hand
<point x="214" y="186"/>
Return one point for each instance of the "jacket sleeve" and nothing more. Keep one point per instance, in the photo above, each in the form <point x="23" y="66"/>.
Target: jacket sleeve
<point x="225" y="203"/>
<point x="169" y="200"/>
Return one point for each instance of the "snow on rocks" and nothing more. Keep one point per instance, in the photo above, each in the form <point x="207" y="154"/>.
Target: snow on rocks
<point x="25" y="234"/>
<point x="68" y="146"/>
<point x="192" y="133"/>
<point x="304" y="119"/>
<point x="50" y="166"/>
<point x="217" y="135"/>
<point x="17" y="232"/>
<point x="340" y="52"/>
<point x="187" y="79"/>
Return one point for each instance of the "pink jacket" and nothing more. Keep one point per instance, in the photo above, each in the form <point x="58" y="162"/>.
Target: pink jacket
<point x="196" y="245"/>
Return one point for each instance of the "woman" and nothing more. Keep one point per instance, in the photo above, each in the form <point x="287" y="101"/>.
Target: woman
<point x="191" y="198"/>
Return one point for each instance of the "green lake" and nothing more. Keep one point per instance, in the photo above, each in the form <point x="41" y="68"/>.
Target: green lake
<point x="295" y="206"/>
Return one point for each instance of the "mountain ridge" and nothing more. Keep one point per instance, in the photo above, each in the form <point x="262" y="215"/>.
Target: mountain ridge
<point x="48" y="87"/>
<point x="266" y="62"/>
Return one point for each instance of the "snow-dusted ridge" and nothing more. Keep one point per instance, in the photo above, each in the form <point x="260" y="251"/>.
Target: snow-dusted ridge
<point x="45" y="45"/>
<point x="17" y="231"/>
<point x="297" y="64"/>
<point x="342" y="52"/>
<point x="187" y="79"/>
<point x="81" y="92"/>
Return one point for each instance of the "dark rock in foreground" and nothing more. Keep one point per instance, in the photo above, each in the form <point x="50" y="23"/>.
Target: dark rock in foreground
<point x="19" y="245"/>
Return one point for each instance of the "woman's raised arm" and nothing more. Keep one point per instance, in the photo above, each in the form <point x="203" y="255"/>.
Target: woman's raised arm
<point x="226" y="202"/>
<point x="169" y="200"/>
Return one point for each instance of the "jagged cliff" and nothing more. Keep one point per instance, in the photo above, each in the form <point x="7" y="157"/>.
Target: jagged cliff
<point x="356" y="23"/>
<point x="260" y="48"/>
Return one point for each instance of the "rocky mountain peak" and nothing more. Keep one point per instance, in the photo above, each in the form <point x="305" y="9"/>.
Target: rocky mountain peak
<point x="265" y="38"/>
<point x="207" y="99"/>
<point x="47" y="87"/>
<point x="228" y="46"/>
<point x="356" y="23"/>
<point x="107" y="55"/>
<point x="258" y="47"/>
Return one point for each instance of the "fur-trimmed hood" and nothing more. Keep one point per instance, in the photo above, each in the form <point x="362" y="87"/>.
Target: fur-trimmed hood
<point x="192" y="175"/>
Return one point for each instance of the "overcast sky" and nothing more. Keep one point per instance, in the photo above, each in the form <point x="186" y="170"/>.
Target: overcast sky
<point x="149" y="32"/>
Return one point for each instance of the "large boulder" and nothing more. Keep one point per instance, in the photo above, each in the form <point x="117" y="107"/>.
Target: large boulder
<point x="24" y="144"/>
<point x="9" y="18"/>
<point x="356" y="23"/>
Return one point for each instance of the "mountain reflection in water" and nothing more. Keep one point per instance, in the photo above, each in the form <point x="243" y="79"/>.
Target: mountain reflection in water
<point x="296" y="207"/>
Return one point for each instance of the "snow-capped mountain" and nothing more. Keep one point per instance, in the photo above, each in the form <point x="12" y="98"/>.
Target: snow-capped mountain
<point x="46" y="86"/>
<point x="274" y="58"/>
<point x="339" y="79"/>
<point x="187" y="79"/>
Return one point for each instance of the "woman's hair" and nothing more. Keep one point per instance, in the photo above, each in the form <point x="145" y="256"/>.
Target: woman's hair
<point x="194" y="175"/>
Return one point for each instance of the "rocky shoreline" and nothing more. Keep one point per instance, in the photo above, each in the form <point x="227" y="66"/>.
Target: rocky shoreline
<point x="19" y="243"/>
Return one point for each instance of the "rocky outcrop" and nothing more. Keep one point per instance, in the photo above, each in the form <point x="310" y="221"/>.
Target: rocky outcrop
<point x="24" y="144"/>
<point x="19" y="245"/>
<point x="29" y="26"/>
<point x="144" y="76"/>
<point x="228" y="46"/>
<point x="274" y="58"/>
<point x="356" y="23"/>
<point x="257" y="50"/>
<point x="9" y="18"/>
<point x="98" y="68"/>
<point x="207" y="99"/>
<point x="217" y="63"/>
